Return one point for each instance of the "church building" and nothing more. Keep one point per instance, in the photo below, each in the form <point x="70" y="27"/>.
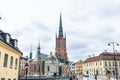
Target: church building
<point x="50" y="65"/>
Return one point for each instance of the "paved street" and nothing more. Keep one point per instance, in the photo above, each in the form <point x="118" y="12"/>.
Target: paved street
<point x="92" y="78"/>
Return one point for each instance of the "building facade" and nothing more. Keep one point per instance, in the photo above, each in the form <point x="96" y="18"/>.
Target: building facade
<point x="36" y="65"/>
<point x="9" y="57"/>
<point x="72" y="68"/>
<point x="79" y="68"/>
<point x="100" y="64"/>
<point x="51" y="65"/>
<point x="23" y="61"/>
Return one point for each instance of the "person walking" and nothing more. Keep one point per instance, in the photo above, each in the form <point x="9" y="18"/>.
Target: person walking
<point x="95" y="76"/>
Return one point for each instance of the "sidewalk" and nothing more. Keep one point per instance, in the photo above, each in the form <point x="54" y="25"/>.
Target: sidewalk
<point x="99" y="78"/>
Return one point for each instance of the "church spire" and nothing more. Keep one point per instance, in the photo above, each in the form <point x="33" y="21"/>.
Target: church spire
<point x="37" y="57"/>
<point x="38" y="49"/>
<point x="60" y="28"/>
<point x="31" y="52"/>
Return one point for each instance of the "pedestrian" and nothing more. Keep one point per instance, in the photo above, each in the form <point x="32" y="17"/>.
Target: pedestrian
<point x="70" y="78"/>
<point x="95" y="76"/>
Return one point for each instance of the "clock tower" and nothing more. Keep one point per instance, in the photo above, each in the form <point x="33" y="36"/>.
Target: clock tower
<point x="60" y="49"/>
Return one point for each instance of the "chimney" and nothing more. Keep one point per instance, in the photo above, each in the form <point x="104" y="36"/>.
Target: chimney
<point x="105" y="50"/>
<point x="93" y="55"/>
<point x="89" y="56"/>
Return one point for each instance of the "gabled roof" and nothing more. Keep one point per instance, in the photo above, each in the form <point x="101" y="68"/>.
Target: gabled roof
<point x="41" y="57"/>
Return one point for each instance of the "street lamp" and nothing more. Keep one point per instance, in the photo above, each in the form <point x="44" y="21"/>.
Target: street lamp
<point x="26" y="69"/>
<point x="113" y="44"/>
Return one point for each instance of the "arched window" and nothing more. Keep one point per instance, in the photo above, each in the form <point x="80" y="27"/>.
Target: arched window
<point x="38" y="67"/>
<point x="34" y="68"/>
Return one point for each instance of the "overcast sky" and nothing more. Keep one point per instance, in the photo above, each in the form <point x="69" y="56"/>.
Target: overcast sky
<point x="89" y="25"/>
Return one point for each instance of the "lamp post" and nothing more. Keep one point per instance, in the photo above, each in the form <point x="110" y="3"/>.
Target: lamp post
<point x="113" y="44"/>
<point x="26" y="69"/>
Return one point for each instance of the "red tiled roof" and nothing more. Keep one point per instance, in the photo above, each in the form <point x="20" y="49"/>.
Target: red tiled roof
<point x="104" y="56"/>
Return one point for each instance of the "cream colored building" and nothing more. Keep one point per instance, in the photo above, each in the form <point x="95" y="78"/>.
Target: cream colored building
<point x="23" y="61"/>
<point x="100" y="64"/>
<point x="9" y="57"/>
<point x="79" y="68"/>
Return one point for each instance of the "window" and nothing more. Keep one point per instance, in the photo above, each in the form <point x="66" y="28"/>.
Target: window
<point x="14" y="79"/>
<point x="105" y="63"/>
<point x="2" y="78"/>
<point x="7" y="38"/>
<point x="0" y="54"/>
<point x="96" y="63"/>
<point x="38" y="67"/>
<point x="113" y="63"/>
<point x="11" y="62"/>
<point x="48" y="68"/>
<point x="16" y="63"/>
<point x="116" y="63"/>
<point x="34" y="68"/>
<point x="5" y="60"/>
<point x="109" y="63"/>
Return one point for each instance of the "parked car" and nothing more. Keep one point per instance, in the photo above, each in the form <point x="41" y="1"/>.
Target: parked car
<point x="85" y="75"/>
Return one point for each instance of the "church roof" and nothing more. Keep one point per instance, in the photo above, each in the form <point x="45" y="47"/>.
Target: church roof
<point x="41" y="57"/>
<point x="51" y="57"/>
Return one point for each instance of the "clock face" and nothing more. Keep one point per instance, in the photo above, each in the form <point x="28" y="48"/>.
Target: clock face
<point x="58" y="44"/>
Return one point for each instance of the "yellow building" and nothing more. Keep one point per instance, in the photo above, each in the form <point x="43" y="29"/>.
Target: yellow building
<point x="79" y="68"/>
<point x="9" y="57"/>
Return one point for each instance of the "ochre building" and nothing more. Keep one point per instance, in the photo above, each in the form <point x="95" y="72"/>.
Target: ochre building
<point x="79" y="68"/>
<point x="9" y="57"/>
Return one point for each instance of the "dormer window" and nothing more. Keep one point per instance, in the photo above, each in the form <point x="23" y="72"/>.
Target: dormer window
<point x="15" y="42"/>
<point x="7" y="37"/>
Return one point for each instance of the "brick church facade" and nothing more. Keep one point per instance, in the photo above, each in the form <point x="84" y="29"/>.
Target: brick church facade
<point x="60" y="49"/>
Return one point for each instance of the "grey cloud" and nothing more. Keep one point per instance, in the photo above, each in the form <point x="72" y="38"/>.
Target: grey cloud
<point x="77" y="45"/>
<point x="40" y="25"/>
<point x="47" y="39"/>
